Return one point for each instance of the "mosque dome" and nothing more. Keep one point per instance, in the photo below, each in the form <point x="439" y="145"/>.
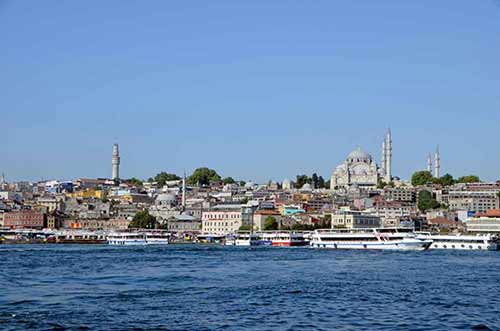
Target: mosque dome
<point x="306" y="187"/>
<point x="358" y="155"/>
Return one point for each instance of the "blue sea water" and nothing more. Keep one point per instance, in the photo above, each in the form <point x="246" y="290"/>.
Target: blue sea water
<point x="190" y="287"/>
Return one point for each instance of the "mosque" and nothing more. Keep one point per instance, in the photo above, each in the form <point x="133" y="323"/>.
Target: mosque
<point x="360" y="169"/>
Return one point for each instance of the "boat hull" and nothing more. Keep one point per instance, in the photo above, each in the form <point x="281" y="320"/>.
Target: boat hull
<point x="406" y="245"/>
<point x="127" y="242"/>
<point x="466" y="246"/>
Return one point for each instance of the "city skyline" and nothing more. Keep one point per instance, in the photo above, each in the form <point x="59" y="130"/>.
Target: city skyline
<point x="291" y="95"/>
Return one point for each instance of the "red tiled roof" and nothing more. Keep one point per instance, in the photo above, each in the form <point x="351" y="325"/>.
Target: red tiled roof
<point x="267" y="212"/>
<point x="442" y="221"/>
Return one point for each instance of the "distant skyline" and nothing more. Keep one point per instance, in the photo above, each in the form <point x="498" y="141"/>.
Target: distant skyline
<point x="256" y="90"/>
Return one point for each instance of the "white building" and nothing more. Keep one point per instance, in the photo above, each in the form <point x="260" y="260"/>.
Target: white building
<point x="223" y="219"/>
<point x="488" y="222"/>
<point x="351" y="219"/>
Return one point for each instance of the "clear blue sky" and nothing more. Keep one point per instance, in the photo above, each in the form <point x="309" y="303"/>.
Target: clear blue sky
<point x="257" y="89"/>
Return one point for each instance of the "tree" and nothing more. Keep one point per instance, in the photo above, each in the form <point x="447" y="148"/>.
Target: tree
<point x="228" y="180"/>
<point x="301" y="180"/>
<point x="143" y="220"/>
<point x="421" y="178"/>
<point x="245" y="228"/>
<point x="270" y="223"/>
<point x="381" y="184"/>
<point x="164" y="177"/>
<point x="203" y="177"/>
<point x="426" y="201"/>
<point x="469" y="179"/>
<point x="242" y="183"/>
<point x="445" y="180"/>
<point x="134" y="181"/>
<point x="315" y="180"/>
<point x="321" y="182"/>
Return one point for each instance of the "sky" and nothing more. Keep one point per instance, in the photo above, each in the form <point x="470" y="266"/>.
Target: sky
<point x="258" y="90"/>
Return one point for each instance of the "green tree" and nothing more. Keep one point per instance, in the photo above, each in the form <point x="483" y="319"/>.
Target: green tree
<point x="134" y="181"/>
<point x="143" y="220"/>
<point x="469" y="179"/>
<point x="301" y="180"/>
<point x="315" y="180"/>
<point x="228" y="180"/>
<point x="203" y="177"/>
<point x="381" y="184"/>
<point x="164" y="177"/>
<point x="426" y="201"/>
<point x="446" y="180"/>
<point x="321" y="182"/>
<point x="421" y="178"/>
<point x="242" y="183"/>
<point x="245" y="228"/>
<point x="270" y="223"/>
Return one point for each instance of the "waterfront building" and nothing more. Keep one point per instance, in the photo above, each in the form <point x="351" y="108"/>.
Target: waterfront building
<point x="184" y="223"/>
<point x="223" y="219"/>
<point x="487" y="222"/>
<point x="96" y="224"/>
<point x="24" y="219"/>
<point x="443" y="224"/>
<point x="352" y="219"/>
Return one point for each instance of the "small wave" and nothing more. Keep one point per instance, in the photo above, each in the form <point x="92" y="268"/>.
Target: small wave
<point x="481" y="327"/>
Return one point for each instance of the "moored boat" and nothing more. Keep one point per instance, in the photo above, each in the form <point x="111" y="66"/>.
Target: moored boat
<point x="461" y="242"/>
<point x="242" y="239"/>
<point x="379" y="239"/>
<point x="283" y="239"/>
<point x="157" y="237"/>
<point x="126" y="238"/>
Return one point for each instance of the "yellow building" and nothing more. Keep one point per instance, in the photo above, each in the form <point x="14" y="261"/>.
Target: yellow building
<point x="87" y="194"/>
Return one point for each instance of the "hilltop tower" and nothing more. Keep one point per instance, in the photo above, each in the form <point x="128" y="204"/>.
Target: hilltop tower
<point x="429" y="163"/>
<point x="115" y="163"/>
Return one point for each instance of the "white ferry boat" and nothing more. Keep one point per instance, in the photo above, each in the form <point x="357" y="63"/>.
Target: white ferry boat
<point x="242" y="239"/>
<point x="461" y="242"/>
<point x="381" y="239"/>
<point x="283" y="239"/>
<point x="126" y="238"/>
<point x="157" y="237"/>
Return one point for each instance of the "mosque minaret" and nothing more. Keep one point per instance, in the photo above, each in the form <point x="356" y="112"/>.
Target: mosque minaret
<point x="388" y="157"/>
<point x="437" y="163"/>
<point x="115" y="163"/>
<point x="429" y="163"/>
<point x="383" y="161"/>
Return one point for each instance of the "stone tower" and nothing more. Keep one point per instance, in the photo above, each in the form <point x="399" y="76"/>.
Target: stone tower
<point x="429" y="163"/>
<point x="115" y="163"/>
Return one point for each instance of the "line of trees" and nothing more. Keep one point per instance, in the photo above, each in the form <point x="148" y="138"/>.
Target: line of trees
<point x="425" y="177"/>
<point x="315" y="180"/>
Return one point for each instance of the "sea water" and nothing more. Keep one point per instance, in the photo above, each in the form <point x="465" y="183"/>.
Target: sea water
<point x="201" y="287"/>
